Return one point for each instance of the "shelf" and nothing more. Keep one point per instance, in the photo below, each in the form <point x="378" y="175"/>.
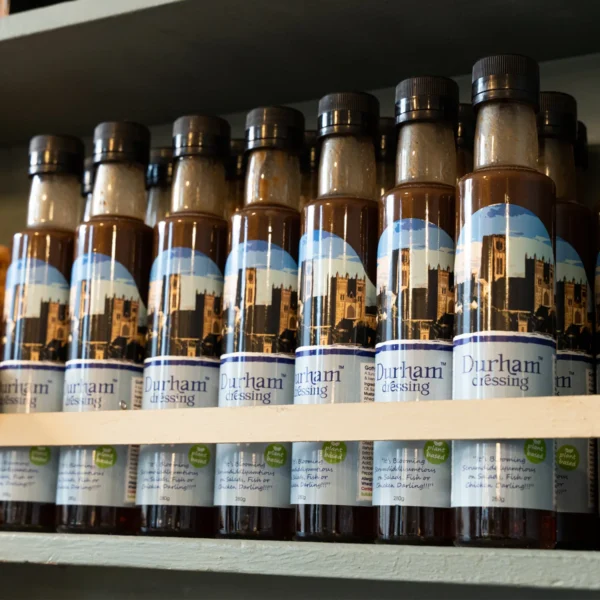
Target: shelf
<point x="68" y="66"/>
<point x="546" y="417"/>
<point x="532" y="568"/>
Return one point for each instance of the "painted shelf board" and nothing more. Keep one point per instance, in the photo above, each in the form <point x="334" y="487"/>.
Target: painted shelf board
<point x="544" y="417"/>
<point x="69" y="66"/>
<point x="532" y="568"/>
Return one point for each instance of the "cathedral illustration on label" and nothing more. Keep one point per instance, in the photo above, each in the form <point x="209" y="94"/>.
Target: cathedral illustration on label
<point x="415" y="282"/>
<point x="574" y="300"/>
<point x="185" y="305"/>
<point x="339" y="299"/>
<point x="504" y="273"/>
<point x="108" y="314"/>
<point x="36" y="319"/>
<point x="261" y="299"/>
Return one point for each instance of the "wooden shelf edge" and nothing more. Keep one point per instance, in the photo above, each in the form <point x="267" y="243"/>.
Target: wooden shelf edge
<point x="70" y="14"/>
<point x="542" y="569"/>
<point x="520" y="418"/>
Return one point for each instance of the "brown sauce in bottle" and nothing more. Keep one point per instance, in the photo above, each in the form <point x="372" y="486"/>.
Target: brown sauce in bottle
<point x="435" y="204"/>
<point x="35" y="338"/>
<point x="503" y="188"/>
<point x="112" y="335"/>
<point x="348" y="321"/>
<point x="279" y="227"/>
<point x="185" y="334"/>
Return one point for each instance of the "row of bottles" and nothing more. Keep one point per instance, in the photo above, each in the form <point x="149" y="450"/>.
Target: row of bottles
<point x="385" y="289"/>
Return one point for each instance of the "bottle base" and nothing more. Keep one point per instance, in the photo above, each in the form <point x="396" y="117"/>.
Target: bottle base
<point x="414" y="525"/>
<point x="335" y="524"/>
<point x="493" y="527"/>
<point x="104" y="520"/>
<point x="28" y="516"/>
<point x="255" y="523"/>
<point x="178" y="521"/>
<point x="577" y="531"/>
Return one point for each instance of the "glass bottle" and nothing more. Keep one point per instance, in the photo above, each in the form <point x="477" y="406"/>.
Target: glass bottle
<point x="185" y="319"/>
<point x="385" y="155"/>
<point x="236" y="177"/>
<point x="581" y="165"/>
<point x="465" y="136"/>
<point x="337" y="320"/>
<point x="505" y="342"/>
<point x="36" y="327"/>
<point x="87" y="187"/>
<point x="575" y="459"/>
<point x="109" y="286"/>
<point x="415" y="294"/>
<point x="309" y="167"/>
<point x="159" y="179"/>
<point x="252" y="481"/>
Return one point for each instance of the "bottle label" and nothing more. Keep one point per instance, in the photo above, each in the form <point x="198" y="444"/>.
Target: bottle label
<point x="31" y="386"/>
<point x="108" y="315"/>
<point x="335" y="364"/>
<point x="36" y="319"/>
<point x="334" y="374"/>
<point x="339" y="473"/>
<point x="102" y="385"/>
<point x="261" y="299"/>
<point x="28" y="474"/>
<point x="408" y="371"/>
<point x="253" y="379"/>
<point x="415" y="284"/>
<point x="253" y="475"/>
<point x="412" y="474"/>
<point x="261" y="302"/>
<point x="172" y="382"/>
<point x="508" y="474"/>
<point x="338" y="300"/>
<point x="575" y="476"/>
<point x="504" y="348"/>
<point x="575" y="459"/>
<point x="176" y="475"/>
<point x="185" y="304"/>
<point x="36" y="313"/>
<point x="184" y="338"/>
<point x="108" y="327"/>
<point x="97" y="476"/>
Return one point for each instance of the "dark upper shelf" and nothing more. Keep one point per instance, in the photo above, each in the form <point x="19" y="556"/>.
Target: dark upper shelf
<point x="66" y="67"/>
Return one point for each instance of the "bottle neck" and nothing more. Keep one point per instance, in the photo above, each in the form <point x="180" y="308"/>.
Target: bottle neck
<point x="557" y="161"/>
<point x="347" y="167"/>
<point x="506" y="135"/>
<point x="273" y="177"/>
<point x="87" y="211"/>
<point x="54" y="201"/>
<point x="426" y="153"/>
<point x="199" y="185"/>
<point x="119" y="190"/>
<point x="159" y="201"/>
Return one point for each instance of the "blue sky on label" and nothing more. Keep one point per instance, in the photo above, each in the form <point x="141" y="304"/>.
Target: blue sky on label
<point x="45" y="282"/>
<point x="330" y="254"/>
<point x="429" y="246"/>
<point x="525" y="232"/>
<point x="274" y="267"/>
<point x="110" y="279"/>
<point x="199" y="274"/>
